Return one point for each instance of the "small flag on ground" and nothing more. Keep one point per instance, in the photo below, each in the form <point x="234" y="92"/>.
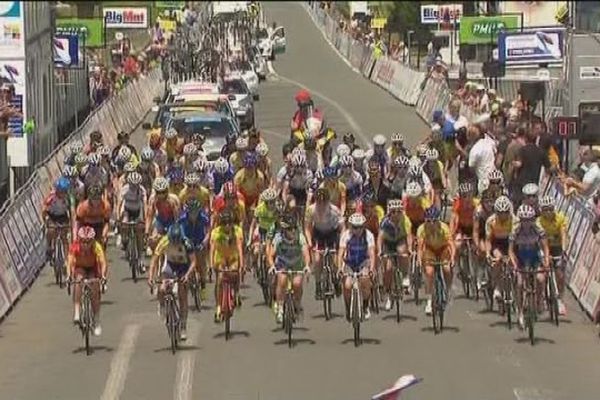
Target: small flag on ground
<point x="395" y="391"/>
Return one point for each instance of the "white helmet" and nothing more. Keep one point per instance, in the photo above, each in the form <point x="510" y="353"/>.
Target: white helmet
<point x="171" y="133"/>
<point x="358" y="154"/>
<point x="268" y="194"/>
<point x="415" y="170"/>
<point x="190" y="149"/>
<point x="413" y="189"/>
<point x="547" y="202"/>
<point x="525" y="212"/>
<point x="134" y="178"/>
<point x="379" y="140"/>
<point x="192" y="179"/>
<point x="342" y="150"/>
<point x="357" y="219"/>
<point x="503" y="204"/>
<point x="129" y="167"/>
<point x="104" y="151"/>
<point x="422" y="150"/>
<point x="346" y="161"/>
<point x="262" y="149"/>
<point x="299" y="160"/>
<point x="147" y="154"/>
<point x="76" y="148"/>
<point x="124" y="153"/>
<point x="432" y="154"/>
<point x="395" y="204"/>
<point x="241" y="143"/>
<point x="397" y="138"/>
<point x="221" y="165"/>
<point x="160" y="184"/>
<point x="531" y="189"/>
<point x="199" y="165"/>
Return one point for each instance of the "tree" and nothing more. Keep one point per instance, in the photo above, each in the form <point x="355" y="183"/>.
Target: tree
<point x="404" y="16"/>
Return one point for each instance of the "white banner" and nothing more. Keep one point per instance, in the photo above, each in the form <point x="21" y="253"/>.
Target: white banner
<point x="12" y="40"/>
<point x="440" y="13"/>
<point x="126" y="17"/>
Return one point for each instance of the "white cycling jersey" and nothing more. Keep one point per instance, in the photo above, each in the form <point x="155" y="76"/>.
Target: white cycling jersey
<point x="133" y="197"/>
<point x="300" y="181"/>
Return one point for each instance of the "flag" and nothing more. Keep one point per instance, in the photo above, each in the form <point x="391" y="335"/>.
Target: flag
<point x="395" y="391"/>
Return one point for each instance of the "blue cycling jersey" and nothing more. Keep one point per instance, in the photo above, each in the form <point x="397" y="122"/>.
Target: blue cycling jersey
<point x="221" y="179"/>
<point x="195" y="232"/>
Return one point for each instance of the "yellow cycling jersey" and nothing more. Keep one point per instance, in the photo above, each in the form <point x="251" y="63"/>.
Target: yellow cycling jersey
<point x="554" y="227"/>
<point x="225" y="244"/>
<point x="335" y="192"/>
<point x="250" y="186"/>
<point x="436" y="239"/>
<point x="265" y="217"/>
<point x="236" y="161"/>
<point x="201" y="194"/>
<point x="495" y="228"/>
<point x="175" y="253"/>
<point x="176" y="188"/>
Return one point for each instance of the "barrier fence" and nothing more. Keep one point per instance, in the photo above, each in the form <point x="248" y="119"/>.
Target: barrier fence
<point x="22" y="234"/>
<point x="427" y="94"/>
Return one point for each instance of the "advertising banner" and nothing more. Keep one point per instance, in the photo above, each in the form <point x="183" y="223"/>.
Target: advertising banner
<point x="8" y="277"/>
<point x="531" y="47"/>
<point x="441" y="13"/>
<point x="13" y="72"/>
<point x="171" y="5"/>
<point x="66" y="50"/>
<point x="126" y="17"/>
<point x="482" y="30"/>
<point x="12" y="41"/>
<point x="91" y="29"/>
<point x="15" y="248"/>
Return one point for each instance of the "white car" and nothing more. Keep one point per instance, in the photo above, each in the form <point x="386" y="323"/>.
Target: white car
<point x="258" y="62"/>
<point x="271" y="42"/>
<point x="238" y="93"/>
<point x="246" y="70"/>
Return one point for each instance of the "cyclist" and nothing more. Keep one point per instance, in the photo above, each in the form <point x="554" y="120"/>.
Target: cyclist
<point x="395" y="236"/>
<point x="226" y="250"/>
<point x="264" y="163"/>
<point x="305" y="110"/>
<point x="200" y="167"/>
<point x="380" y="154"/>
<point x="133" y="203"/>
<point x="376" y="183"/>
<point x="163" y="208"/>
<point x="357" y="254"/>
<point x="336" y="189"/>
<point x="322" y="227"/>
<point x="176" y="176"/>
<point x="435" y="244"/>
<point x="86" y="260"/>
<point x="314" y="159"/>
<point x="288" y="251"/>
<point x="229" y="199"/>
<point x="418" y="175"/>
<point x="180" y="262"/>
<point x="265" y="216"/>
<point x="397" y="176"/>
<point x="193" y="190"/>
<point x="484" y="210"/>
<point x="498" y="228"/>
<point x="350" y="178"/>
<point x="297" y="181"/>
<point x="155" y="142"/>
<point x="93" y="174"/>
<point x="555" y="224"/>
<point x="95" y="142"/>
<point x="174" y="144"/>
<point x="526" y="240"/>
<point x="236" y="160"/>
<point x="76" y="187"/>
<point x="222" y="173"/>
<point x="95" y="211"/>
<point x="496" y="183"/>
<point x="123" y="141"/>
<point x="463" y="215"/>
<point x="530" y="197"/>
<point x="74" y="149"/>
<point x="341" y="151"/>
<point x="372" y="211"/>
<point x="251" y="182"/>
<point x="349" y="140"/>
<point x="415" y="205"/>
<point x="190" y="154"/>
<point x="397" y="148"/>
<point x="195" y="223"/>
<point x="57" y="210"/>
<point x="358" y="155"/>
<point x="148" y="168"/>
<point x="434" y="170"/>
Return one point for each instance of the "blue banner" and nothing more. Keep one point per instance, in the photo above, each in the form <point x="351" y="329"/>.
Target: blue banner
<point x="544" y="45"/>
<point x="66" y="50"/>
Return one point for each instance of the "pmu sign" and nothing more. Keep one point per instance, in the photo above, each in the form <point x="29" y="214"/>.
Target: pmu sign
<point x="126" y="17"/>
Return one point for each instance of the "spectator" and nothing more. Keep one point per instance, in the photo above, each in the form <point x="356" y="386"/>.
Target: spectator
<point x="482" y="155"/>
<point x="513" y="147"/>
<point x="589" y="185"/>
<point x="7" y="111"/>
<point x="528" y="165"/>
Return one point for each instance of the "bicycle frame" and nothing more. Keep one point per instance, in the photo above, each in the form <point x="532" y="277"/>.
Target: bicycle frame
<point x="172" y="312"/>
<point x="87" y="312"/>
<point x="440" y="296"/>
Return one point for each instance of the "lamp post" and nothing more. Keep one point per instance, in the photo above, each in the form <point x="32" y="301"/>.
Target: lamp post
<point x="409" y="34"/>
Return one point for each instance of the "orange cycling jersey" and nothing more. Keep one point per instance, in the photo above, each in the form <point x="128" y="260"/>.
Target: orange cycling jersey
<point x="86" y="258"/>
<point x="91" y="214"/>
<point x="415" y="208"/>
<point x="465" y="210"/>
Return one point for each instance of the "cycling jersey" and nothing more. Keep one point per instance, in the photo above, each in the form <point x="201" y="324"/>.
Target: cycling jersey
<point x="201" y="194"/>
<point x="394" y="152"/>
<point x="325" y="219"/>
<point x="265" y="217"/>
<point x="236" y="161"/>
<point x="299" y="181"/>
<point x="482" y="215"/>
<point x="288" y="253"/>
<point x="173" y="148"/>
<point x="465" y="209"/>
<point x="394" y="232"/>
<point x="176" y="188"/>
<point x="88" y="214"/>
<point x="57" y="207"/>
<point x="335" y="192"/>
<point x="220" y="179"/>
<point x="397" y="183"/>
<point x="251" y="185"/>
<point x="194" y="231"/>
<point x="414" y="208"/>
<point x="176" y="253"/>
<point x="495" y="228"/>
<point x="435" y="240"/>
<point x="527" y="239"/>
<point x="207" y="180"/>
<point x="89" y="258"/>
<point x="374" y="218"/>
<point x="239" y="209"/>
<point x="225" y="245"/>
<point x="133" y="198"/>
<point x="353" y="183"/>
<point x="554" y="226"/>
<point x="357" y="248"/>
<point x="94" y="176"/>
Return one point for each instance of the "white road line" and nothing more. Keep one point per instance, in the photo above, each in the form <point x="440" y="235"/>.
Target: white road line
<point x="119" y="366"/>
<point x="534" y="394"/>
<point x="186" y="360"/>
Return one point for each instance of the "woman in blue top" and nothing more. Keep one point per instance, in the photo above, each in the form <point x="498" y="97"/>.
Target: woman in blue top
<point x="195" y="225"/>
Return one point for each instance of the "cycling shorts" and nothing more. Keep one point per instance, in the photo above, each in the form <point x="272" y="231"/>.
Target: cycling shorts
<point x="465" y="230"/>
<point x="325" y="239"/>
<point x="501" y="245"/>
<point x="528" y="258"/>
<point x="59" y="219"/>
<point x="390" y="247"/>
<point x="162" y="226"/>
<point x="173" y="270"/>
<point x="299" y="195"/>
<point x="348" y="269"/>
<point x="433" y="255"/>
<point x="133" y="215"/>
<point x="86" y="273"/>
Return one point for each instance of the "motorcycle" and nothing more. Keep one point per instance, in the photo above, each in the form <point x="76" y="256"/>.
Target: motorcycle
<point x="315" y="127"/>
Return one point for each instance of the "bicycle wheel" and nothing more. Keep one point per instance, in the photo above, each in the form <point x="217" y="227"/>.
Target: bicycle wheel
<point x="465" y="277"/>
<point x="87" y="320"/>
<point x="59" y="264"/>
<point x="531" y="311"/>
<point x="416" y="278"/>
<point x="398" y="293"/>
<point x="434" y="311"/>
<point x="356" y="316"/>
<point x="288" y="318"/>
<point x="553" y="299"/>
<point x="195" y="288"/>
<point x="171" y="321"/>
<point x="132" y="255"/>
<point x="226" y="307"/>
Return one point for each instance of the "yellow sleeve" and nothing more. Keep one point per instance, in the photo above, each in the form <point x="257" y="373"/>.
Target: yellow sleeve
<point x="563" y="222"/>
<point x="407" y="225"/>
<point x="421" y="232"/>
<point x="99" y="250"/>
<point x="380" y="213"/>
<point x="238" y="178"/>
<point x="161" y="247"/>
<point x="183" y="194"/>
<point x="239" y="234"/>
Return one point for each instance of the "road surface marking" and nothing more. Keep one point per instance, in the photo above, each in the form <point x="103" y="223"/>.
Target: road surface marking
<point x="534" y="394"/>
<point x="186" y="360"/>
<point x="119" y="366"/>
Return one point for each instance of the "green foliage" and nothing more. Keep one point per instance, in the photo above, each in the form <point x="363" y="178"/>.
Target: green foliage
<point x="404" y="16"/>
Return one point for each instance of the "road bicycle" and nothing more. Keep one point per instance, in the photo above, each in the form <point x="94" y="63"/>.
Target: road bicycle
<point x="326" y="283"/>
<point x="439" y="296"/>
<point x="171" y="310"/>
<point x="356" y="305"/>
<point x="86" y="317"/>
<point x="289" y="308"/>
<point x="58" y="258"/>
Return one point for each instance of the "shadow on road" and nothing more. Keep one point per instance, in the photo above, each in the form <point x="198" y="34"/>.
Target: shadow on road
<point x="180" y="347"/>
<point x="295" y="341"/>
<point x="402" y="317"/>
<point x="322" y="316"/>
<point x="93" y="348"/>
<point x="454" y="329"/>
<point x="232" y="334"/>
<point x="536" y="341"/>
<point x="362" y="341"/>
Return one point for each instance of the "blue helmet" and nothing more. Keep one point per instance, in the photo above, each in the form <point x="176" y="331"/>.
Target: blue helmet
<point x="432" y="214"/>
<point x="437" y="114"/>
<point x="175" y="233"/>
<point x="329" y="172"/>
<point x="62" y="184"/>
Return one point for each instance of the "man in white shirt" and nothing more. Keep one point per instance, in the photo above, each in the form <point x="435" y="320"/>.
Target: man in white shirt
<point x="590" y="183"/>
<point x="483" y="153"/>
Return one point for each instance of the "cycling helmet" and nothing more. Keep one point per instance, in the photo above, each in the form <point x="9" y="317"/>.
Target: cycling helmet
<point x="268" y="195"/>
<point x="298" y="160"/>
<point x="483" y="185"/>
<point x="199" y="165"/>
<point x="262" y="149"/>
<point x="413" y="189"/>
<point x="62" y="184"/>
<point x="192" y="179"/>
<point x="95" y="192"/>
<point x="226" y="218"/>
<point x="415" y="171"/>
<point x="94" y="159"/>
<point x="495" y="176"/>
<point x="160" y="184"/>
<point x="175" y="233"/>
<point x="70" y="171"/>
<point x="86" y="233"/>
<point x="241" y="143"/>
<point x="465" y="187"/>
<point x="76" y="148"/>
<point x="379" y="140"/>
<point x="547" y="202"/>
<point x="348" y="138"/>
<point x="310" y="143"/>
<point x="303" y="96"/>
<point x="422" y="150"/>
<point x="147" y="154"/>
<point x="104" y="151"/>
<point x="81" y="159"/>
<point x="171" y="133"/>
<point x="221" y="165"/>
<point x="358" y="154"/>
<point x="346" y="161"/>
<point x="129" y="167"/>
<point x="525" y="212"/>
<point x="124" y="153"/>
<point x="357" y="220"/>
<point x="531" y="189"/>
<point x="432" y="214"/>
<point x="190" y="149"/>
<point x="342" y="150"/>
<point x="134" y="178"/>
<point x="319" y="176"/>
<point x="250" y="161"/>
<point x="503" y="205"/>
<point x="329" y="172"/>
<point x="395" y="204"/>
<point x="397" y="138"/>
<point x="432" y="154"/>
<point x="229" y="190"/>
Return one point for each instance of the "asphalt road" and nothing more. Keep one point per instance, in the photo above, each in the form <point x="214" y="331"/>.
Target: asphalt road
<point x="475" y="358"/>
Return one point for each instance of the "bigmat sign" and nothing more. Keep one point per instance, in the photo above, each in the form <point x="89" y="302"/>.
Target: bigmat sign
<point x="126" y="17"/>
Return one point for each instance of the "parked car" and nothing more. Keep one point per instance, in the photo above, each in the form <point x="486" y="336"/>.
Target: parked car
<point x="235" y="87"/>
<point x="258" y="61"/>
<point x="271" y="43"/>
